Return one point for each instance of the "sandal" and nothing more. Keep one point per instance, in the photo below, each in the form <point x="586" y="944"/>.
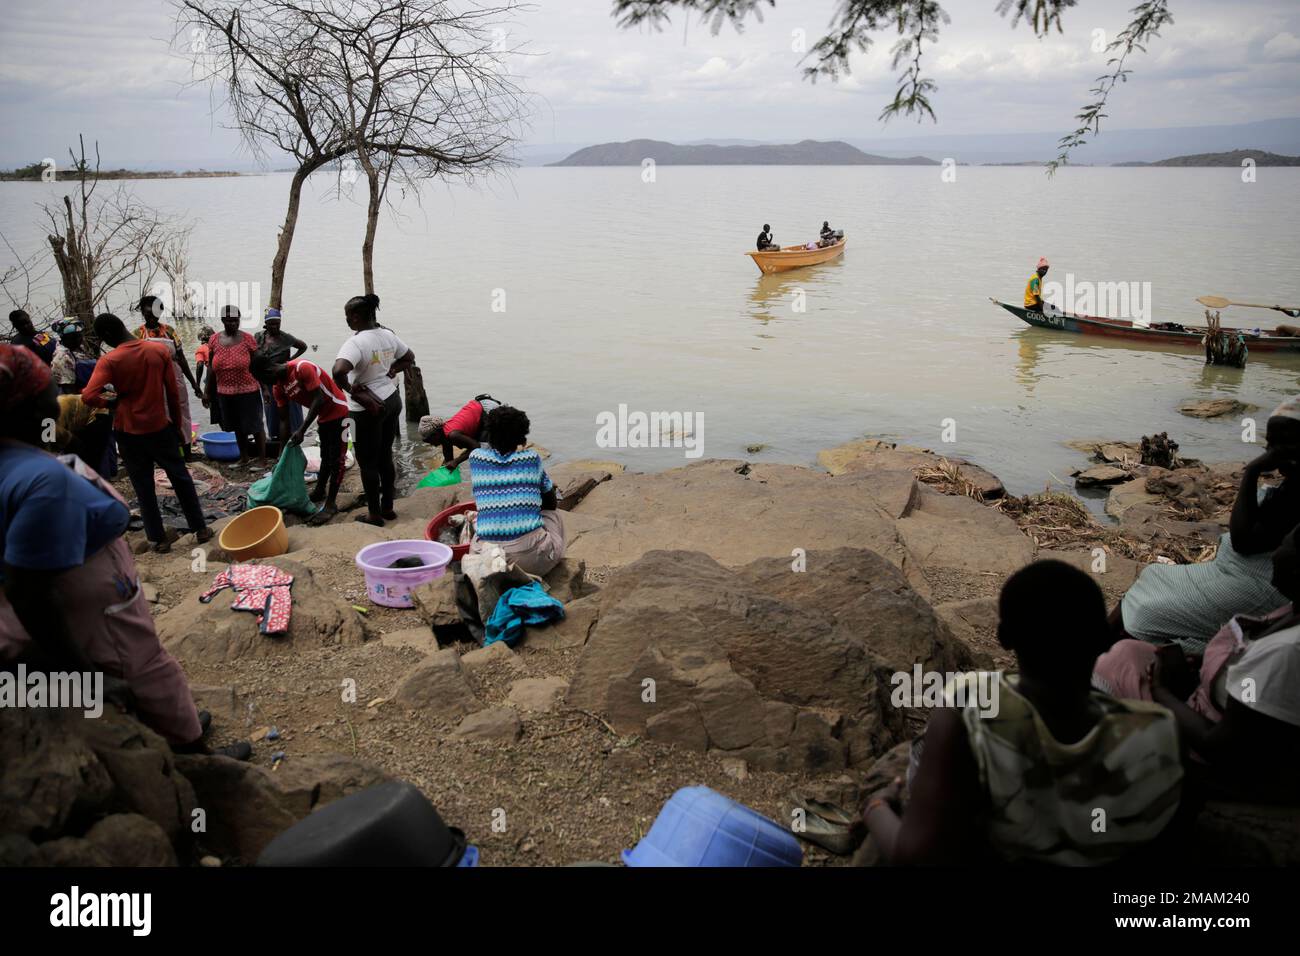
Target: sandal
<point x="322" y="517"/>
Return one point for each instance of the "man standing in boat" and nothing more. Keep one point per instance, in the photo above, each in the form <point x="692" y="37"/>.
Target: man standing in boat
<point x="1034" y="290"/>
<point x="765" y="239"/>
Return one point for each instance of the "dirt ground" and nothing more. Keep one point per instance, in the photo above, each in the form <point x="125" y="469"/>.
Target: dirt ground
<point x="569" y="790"/>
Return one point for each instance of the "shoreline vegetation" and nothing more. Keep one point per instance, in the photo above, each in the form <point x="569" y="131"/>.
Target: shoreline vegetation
<point x="35" y="173"/>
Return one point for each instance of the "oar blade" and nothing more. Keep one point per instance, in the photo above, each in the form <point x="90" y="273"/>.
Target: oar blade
<point x="1214" y="301"/>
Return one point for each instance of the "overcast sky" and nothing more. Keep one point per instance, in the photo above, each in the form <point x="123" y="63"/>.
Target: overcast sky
<point x="103" y="67"/>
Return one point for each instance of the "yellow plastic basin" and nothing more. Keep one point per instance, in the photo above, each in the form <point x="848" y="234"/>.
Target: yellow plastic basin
<point x="258" y="533"/>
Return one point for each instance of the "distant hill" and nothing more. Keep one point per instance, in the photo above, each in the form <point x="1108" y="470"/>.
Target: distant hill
<point x="807" y="153"/>
<point x="1261" y="157"/>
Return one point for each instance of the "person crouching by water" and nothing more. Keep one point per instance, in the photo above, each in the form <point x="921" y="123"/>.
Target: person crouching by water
<point x="70" y="595"/>
<point x="515" y="496"/>
<point x="365" y="368"/>
<point x="308" y="385"/>
<point x="1031" y="781"/>
<point x="765" y="239"/>
<point x="466" y="430"/>
<point x="230" y="382"/>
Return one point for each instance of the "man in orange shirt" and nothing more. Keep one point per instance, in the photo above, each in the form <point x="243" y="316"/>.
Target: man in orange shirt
<point x="136" y="379"/>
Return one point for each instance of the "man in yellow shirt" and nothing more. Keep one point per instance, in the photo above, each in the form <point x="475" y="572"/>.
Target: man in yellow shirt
<point x="1034" y="289"/>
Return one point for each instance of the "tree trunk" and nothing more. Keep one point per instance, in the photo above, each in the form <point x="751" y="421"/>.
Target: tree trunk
<point x="286" y="234"/>
<point x="372" y="225"/>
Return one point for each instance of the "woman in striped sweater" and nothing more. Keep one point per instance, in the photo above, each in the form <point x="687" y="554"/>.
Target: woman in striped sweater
<point x="516" y="499"/>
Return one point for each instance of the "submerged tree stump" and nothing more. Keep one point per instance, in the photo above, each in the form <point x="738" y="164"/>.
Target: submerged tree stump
<point x="417" y="402"/>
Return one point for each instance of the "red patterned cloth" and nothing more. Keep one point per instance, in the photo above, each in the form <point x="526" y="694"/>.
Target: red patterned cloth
<point x="262" y="589"/>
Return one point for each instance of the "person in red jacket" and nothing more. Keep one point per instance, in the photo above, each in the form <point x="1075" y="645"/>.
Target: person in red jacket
<point x="135" y="378"/>
<point x="307" y="384"/>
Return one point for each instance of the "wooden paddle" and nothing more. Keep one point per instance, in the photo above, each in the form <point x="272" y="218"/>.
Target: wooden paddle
<point x="1219" y="302"/>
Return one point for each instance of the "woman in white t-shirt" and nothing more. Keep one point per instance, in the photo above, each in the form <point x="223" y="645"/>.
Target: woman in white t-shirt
<point x="1238" y="708"/>
<point x="366" y="367"/>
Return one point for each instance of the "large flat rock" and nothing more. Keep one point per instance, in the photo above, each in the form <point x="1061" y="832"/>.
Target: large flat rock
<point x="782" y="668"/>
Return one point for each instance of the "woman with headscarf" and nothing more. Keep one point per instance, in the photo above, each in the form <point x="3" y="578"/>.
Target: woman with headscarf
<point x="365" y="368"/>
<point x="72" y="363"/>
<point x="466" y="430"/>
<point x="71" y="598"/>
<point x="82" y="430"/>
<point x="1188" y="603"/>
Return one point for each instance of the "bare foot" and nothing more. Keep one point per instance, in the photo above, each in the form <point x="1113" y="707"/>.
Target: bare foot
<point x="370" y="519"/>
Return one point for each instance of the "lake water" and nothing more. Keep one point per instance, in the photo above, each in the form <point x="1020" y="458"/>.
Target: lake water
<point x="618" y="292"/>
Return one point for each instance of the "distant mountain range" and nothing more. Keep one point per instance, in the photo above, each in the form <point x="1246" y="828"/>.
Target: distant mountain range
<point x="809" y="152"/>
<point x="1233" y="158"/>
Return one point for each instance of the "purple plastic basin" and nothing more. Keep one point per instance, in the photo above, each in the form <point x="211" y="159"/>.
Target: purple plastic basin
<point x="392" y="587"/>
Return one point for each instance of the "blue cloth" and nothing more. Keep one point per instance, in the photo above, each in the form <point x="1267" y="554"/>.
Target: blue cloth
<point x="526" y="605"/>
<point x="508" y="490"/>
<point x="51" y="518"/>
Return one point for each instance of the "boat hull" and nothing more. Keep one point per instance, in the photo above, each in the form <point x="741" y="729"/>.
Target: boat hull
<point x="1123" y="329"/>
<point x="795" y="257"/>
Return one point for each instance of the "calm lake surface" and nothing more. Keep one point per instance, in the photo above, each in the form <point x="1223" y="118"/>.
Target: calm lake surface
<point x="618" y="291"/>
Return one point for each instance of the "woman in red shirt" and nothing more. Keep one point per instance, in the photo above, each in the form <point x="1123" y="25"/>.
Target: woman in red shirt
<point x="307" y="384"/>
<point x="232" y="385"/>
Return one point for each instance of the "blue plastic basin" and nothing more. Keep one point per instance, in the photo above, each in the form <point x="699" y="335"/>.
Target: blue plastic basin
<point x="701" y="827"/>
<point x="222" y="446"/>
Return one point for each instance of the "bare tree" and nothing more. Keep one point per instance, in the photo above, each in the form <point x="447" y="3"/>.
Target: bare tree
<point x="169" y="254"/>
<point x="916" y="24"/>
<point x="100" y="243"/>
<point x="417" y="87"/>
<point x="261" y="56"/>
<point x="20" y="280"/>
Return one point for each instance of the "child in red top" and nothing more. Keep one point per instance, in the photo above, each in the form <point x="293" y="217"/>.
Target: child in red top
<point x="310" y="385"/>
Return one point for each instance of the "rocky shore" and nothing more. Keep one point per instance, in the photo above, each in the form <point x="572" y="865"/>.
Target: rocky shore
<point x="727" y="623"/>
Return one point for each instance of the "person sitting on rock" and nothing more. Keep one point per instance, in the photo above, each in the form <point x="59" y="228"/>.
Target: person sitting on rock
<point x="1188" y="603"/>
<point x="71" y="597"/>
<point x="1240" y="709"/>
<point x="1028" y="776"/>
<point x="515" y="496"/>
<point x="466" y="430"/>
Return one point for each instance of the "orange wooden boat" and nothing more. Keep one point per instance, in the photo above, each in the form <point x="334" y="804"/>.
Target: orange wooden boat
<point x="795" y="257"/>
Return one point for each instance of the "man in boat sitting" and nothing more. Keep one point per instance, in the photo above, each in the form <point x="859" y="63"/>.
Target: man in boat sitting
<point x="828" y="236"/>
<point x="1034" y="290"/>
<point x="765" y="242"/>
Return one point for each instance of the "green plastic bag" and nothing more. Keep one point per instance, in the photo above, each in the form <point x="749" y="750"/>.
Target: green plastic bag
<point x="285" y="487"/>
<point x="440" y="478"/>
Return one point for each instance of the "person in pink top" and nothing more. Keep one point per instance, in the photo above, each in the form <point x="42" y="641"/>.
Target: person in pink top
<point x="231" y="383"/>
